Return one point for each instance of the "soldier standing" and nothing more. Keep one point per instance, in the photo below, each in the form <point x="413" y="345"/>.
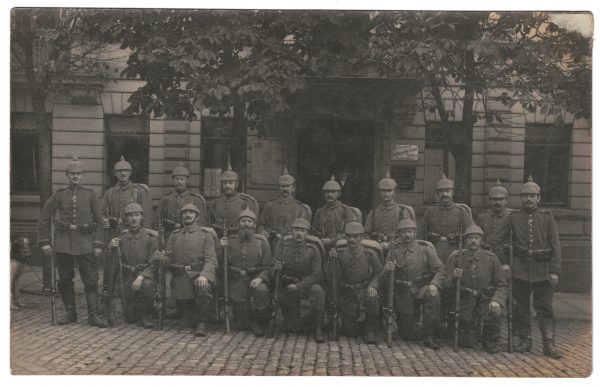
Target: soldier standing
<point x="248" y="270"/>
<point x="329" y="220"/>
<point x="358" y="270"/>
<point x="300" y="262"/>
<point x="224" y="211"/>
<point x="137" y="246"/>
<point x="535" y="269"/>
<point x="170" y="205"/>
<point x="382" y="221"/>
<point x="418" y="275"/>
<point x="494" y="220"/>
<point x="483" y="291"/>
<point x="279" y="213"/>
<point x="192" y="259"/>
<point x="78" y="237"/>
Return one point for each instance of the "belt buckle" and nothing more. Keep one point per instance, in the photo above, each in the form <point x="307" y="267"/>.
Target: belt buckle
<point x="443" y="239"/>
<point x="72" y="227"/>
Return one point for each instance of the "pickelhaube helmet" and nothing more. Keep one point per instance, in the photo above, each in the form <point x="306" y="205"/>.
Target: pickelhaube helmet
<point x="133" y="207"/>
<point x="498" y="190"/>
<point x="301" y="223"/>
<point x="74" y="165"/>
<point x="387" y="182"/>
<point x="286" y="179"/>
<point x="122" y="164"/>
<point x="354" y="228"/>
<point x="180" y="170"/>
<point x="406" y="223"/>
<point x="444" y="183"/>
<point x="246" y="213"/>
<point x="473" y="229"/>
<point x="530" y="187"/>
<point x="228" y="174"/>
<point x="332" y="185"/>
<point x="190" y="207"/>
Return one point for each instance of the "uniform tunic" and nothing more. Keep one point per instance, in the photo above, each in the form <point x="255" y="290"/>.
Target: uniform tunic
<point x="301" y="265"/>
<point x="443" y="227"/>
<point x="226" y="209"/>
<point x="330" y="220"/>
<point x="195" y="247"/>
<point x="117" y="197"/>
<point x="170" y="205"/>
<point x="384" y="219"/>
<point x="281" y="212"/>
<point x="491" y="223"/>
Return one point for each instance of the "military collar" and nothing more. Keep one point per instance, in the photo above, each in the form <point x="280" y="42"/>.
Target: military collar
<point x="528" y="211"/>
<point x="241" y="238"/>
<point x="230" y="198"/>
<point x="474" y="256"/>
<point x="333" y="206"/>
<point x="74" y="188"/>
<point x="136" y="234"/>
<point x="183" y="193"/>
<point x="411" y="247"/>
<point x="448" y="207"/>
<point x="288" y="200"/>
<point x="124" y="187"/>
<point x="392" y="204"/>
<point x="501" y="214"/>
<point x="191" y="228"/>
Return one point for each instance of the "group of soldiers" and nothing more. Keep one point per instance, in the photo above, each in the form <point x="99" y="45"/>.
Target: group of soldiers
<point x="327" y="271"/>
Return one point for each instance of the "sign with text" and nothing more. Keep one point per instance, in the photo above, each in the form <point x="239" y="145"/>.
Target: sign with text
<point x="267" y="161"/>
<point x="401" y="152"/>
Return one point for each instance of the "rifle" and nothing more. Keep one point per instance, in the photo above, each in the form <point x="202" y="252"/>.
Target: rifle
<point x="108" y="283"/>
<point x="334" y="301"/>
<point x="509" y="308"/>
<point x="457" y="299"/>
<point x="275" y="300"/>
<point x="389" y="310"/>
<point x="121" y="286"/>
<point x="226" y="280"/>
<point x="52" y="277"/>
<point x="160" y="294"/>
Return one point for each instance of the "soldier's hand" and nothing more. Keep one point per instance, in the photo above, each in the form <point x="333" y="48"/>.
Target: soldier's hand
<point x="390" y="266"/>
<point x="266" y="234"/>
<point x="495" y="308"/>
<point x="292" y="287"/>
<point x="507" y="271"/>
<point x="224" y="242"/>
<point x="160" y="255"/>
<point x="333" y="253"/>
<point x="433" y="290"/>
<point x="371" y="291"/>
<point x="554" y="279"/>
<point x="97" y="252"/>
<point x="202" y="282"/>
<point x="384" y="245"/>
<point x="105" y="223"/>
<point x="115" y="243"/>
<point x="278" y="265"/>
<point x="177" y="225"/>
<point x="47" y="250"/>
<point x="457" y="273"/>
<point x="255" y="282"/>
<point x="137" y="284"/>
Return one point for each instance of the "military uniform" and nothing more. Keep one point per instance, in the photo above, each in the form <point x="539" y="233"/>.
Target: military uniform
<point x="302" y="267"/>
<point x="491" y="223"/>
<point x="225" y="209"/>
<point x="355" y="272"/>
<point x="77" y="231"/>
<point x="329" y="221"/>
<point x="249" y="259"/>
<point x="170" y="205"/>
<point x="117" y="197"/>
<point x="482" y="282"/>
<point x="416" y="267"/>
<point x="382" y="221"/>
<point x="191" y="252"/>
<point x="281" y="212"/>
<point x="443" y="227"/>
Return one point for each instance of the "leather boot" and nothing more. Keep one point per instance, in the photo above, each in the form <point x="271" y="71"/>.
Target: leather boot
<point x="547" y="329"/>
<point x="146" y="321"/>
<point x="524" y="345"/>
<point x="258" y="324"/>
<point x="371" y="327"/>
<point x="92" y="307"/>
<point x="428" y="339"/>
<point x="70" y="311"/>
<point x="200" y="329"/>
<point x="319" y="327"/>
<point x="467" y="335"/>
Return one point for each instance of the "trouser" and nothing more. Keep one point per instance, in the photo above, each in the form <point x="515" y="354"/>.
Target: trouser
<point x="88" y="271"/>
<point x="255" y="307"/>
<point x="408" y="308"/>
<point x="357" y="311"/>
<point x="138" y="303"/>
<point x="290" y="300"/>
<point x="542" y="304"/>
<point x="476" y="321"/>
<point x="197" y="309"/>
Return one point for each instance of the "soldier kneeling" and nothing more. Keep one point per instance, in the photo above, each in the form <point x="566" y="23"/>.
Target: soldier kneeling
<point x="483" y="291"/>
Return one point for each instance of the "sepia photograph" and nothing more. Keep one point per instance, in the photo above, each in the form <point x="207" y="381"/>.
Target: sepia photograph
<point x="300" y="192"/>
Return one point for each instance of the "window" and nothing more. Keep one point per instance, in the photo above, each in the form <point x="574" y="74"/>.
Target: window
<point x="216" y="146"/>
<point x="127" y="136"/>
<point x="547" y="161"/>
<point x="24" y="154"/>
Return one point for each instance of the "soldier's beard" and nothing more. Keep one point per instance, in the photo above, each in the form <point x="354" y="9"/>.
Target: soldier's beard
<point x="246" y="232"/>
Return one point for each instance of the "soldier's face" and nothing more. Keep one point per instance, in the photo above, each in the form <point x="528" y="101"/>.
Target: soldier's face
<point x="134" y="219"/>
<point x="473" y="242"/>
<point x="408" y="235"/>
<point x="353" y="239"/>
<point x="123" y="175"/>
<point x="286" y="189"/>
<point x="229" y="186"/>
<point x="74" y="177"/>
<point x="331" y="196"/>
<point x="180" y="182"/>
<point x="247" y="223"/>
<point x="299" y="233"/>
<point x="188" y="216"/>
<point x="386" y="195"/>
<point x="498" y="203"/>
<point x="530" y="200"/>
<point x="445" y="195"/>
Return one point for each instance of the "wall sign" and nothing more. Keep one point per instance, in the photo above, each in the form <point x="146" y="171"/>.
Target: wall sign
<point x="267" y="161"/>
<point x="401" y="152"/>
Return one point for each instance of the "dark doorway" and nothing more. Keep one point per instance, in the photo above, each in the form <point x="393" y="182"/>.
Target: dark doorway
<point x="336" y="147"/>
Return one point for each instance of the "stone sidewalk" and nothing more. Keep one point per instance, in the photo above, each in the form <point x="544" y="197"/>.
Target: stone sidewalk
<point x="39" y="348"/>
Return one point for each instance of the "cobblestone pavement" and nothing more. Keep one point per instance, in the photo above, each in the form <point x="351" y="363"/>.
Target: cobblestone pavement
<point x="39" y="348"/>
